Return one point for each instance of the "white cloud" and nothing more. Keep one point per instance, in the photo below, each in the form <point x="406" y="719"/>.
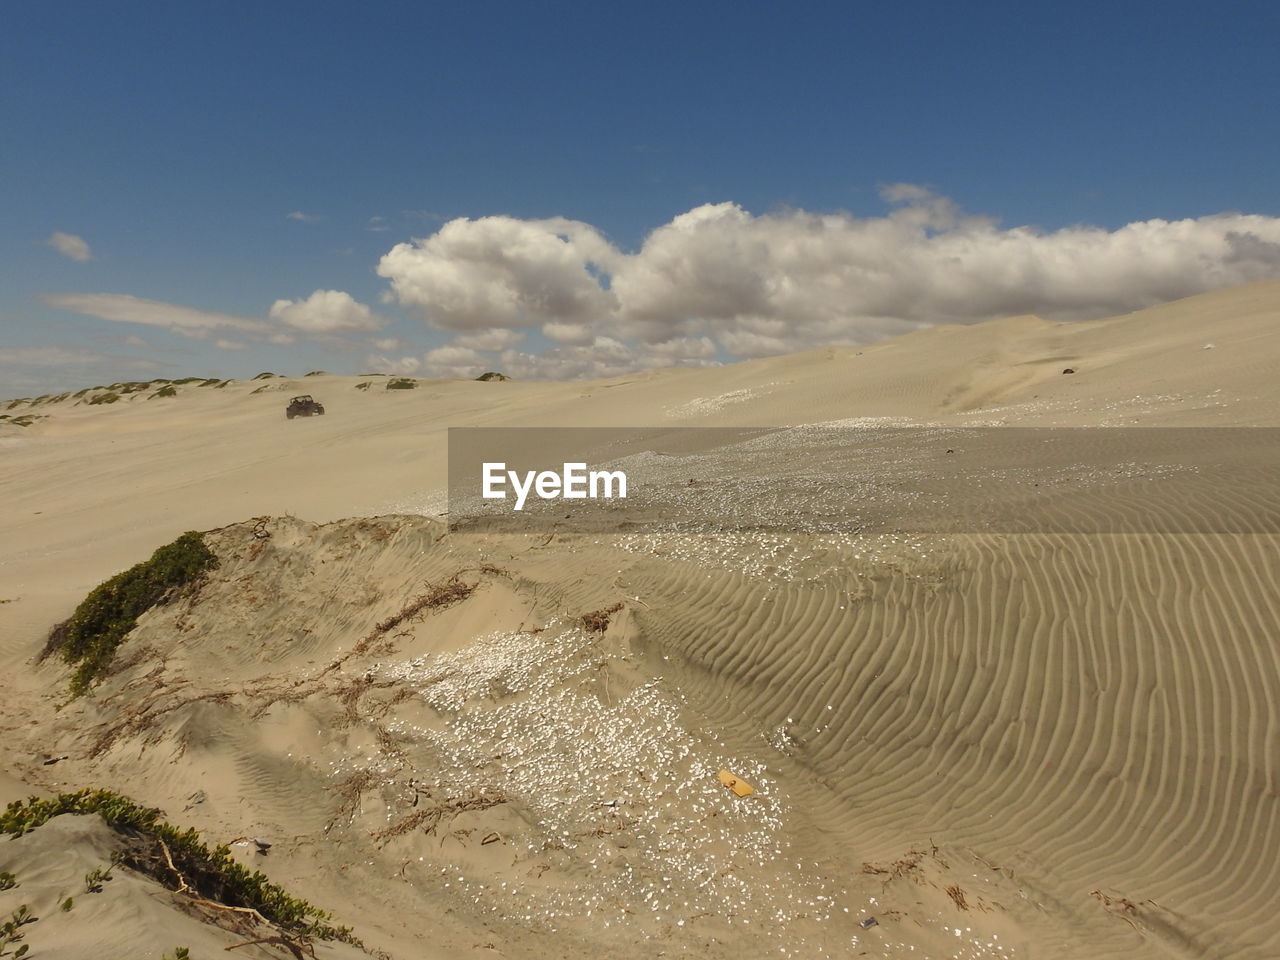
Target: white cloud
<point x="498" y="338"/>
<point x="386" y="344"/>
<point x="604" y="357"/>
<point x="502" y="272"/>
<point x="326" y="311"/>
<point x="122" y="308"/>
<point x="70" y="245"/>
<point x="223" y="344"/>
<point x="452" y="361"/>
<point x="403" y="366"/>
<point x="303" y="217"/>
<point x="723" y="279"/>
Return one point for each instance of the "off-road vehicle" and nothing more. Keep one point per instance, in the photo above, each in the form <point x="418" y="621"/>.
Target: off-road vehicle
<point x="303" y="406"/>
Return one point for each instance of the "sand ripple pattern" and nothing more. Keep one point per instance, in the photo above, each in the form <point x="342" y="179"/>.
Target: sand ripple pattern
<point x="1093" y="712"/>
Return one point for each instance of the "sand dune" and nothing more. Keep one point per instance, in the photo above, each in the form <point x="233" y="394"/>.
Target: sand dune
<point x="997" y="745"/>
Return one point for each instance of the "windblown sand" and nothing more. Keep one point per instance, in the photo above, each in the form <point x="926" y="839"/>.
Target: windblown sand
<point x="997" y="745"/>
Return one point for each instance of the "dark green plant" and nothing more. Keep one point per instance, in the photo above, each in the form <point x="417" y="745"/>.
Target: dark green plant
<point x="222" y="384"/>
<point x="317" y="373"/>
<point x="11" y="932"/>
<point x="108" y="397"/>
<point x="165" y="391"/>
<point x="179" y="953"/>
<point x="7" y="880"/>
<point x="491" y="376"/>
<point x="89" y="638"/>
<point x="266" y="375"/>
<point x="362" y="386"/>
<point x="95" y="878"/>
<point x="155" y="845"/>
<point x="401" y="383"/>
<point x="67" y="904"/>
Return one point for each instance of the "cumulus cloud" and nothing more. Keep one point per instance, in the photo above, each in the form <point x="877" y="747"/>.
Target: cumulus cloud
<point x="402" y="366"/>
<point x="70" y="245"/>
<point x="302" y="217"/>
<point x="503" y="272"/>
<point x="496" y="339"/>
<point x="453" y="361"/>
<point x="122" y="308"/>
<point x="326" y="311"/>
<point x="722" y="281"/>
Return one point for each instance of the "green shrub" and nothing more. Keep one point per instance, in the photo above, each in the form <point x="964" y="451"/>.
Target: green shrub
<point x="363" y="386"/>
<point x="266" y="375"/>
<point x="317" y="373"/>
<point x="401" y="383"/>
<point x="491" y="376"/>
<point x="165" y="391"/>
<point x="213" y="382"/>
<point x="223" y="384"/>
<point x="99" y="625"/>
<point x="104" y="398"/>
<point x="211" y="874"/>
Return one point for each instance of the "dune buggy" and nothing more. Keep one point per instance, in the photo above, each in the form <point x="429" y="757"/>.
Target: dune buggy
<point x="304" y="406"/>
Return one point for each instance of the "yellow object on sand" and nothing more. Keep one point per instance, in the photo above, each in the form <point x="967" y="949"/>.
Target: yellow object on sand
<point x="736" y="784"/>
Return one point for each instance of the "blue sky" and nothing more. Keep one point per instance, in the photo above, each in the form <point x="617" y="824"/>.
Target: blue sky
<point x="666" y="182"/>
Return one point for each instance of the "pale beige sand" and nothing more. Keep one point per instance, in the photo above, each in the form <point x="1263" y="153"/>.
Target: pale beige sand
<point x="1036" y="717"/>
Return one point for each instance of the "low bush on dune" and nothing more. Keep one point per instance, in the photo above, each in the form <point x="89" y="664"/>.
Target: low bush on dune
<point x="166" y="391"/>
<point x="401" y="383"/>
<point x="179" y="860"/>
<point x="88" y="640"/>
<point x="266" y="375"/>
<point x="493" y="376"/>
<point x="107" y="397"/>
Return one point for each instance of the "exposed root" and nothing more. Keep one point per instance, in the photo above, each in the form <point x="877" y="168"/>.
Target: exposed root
<point x="598" y="620"/>
<point x="430" y="818"/>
